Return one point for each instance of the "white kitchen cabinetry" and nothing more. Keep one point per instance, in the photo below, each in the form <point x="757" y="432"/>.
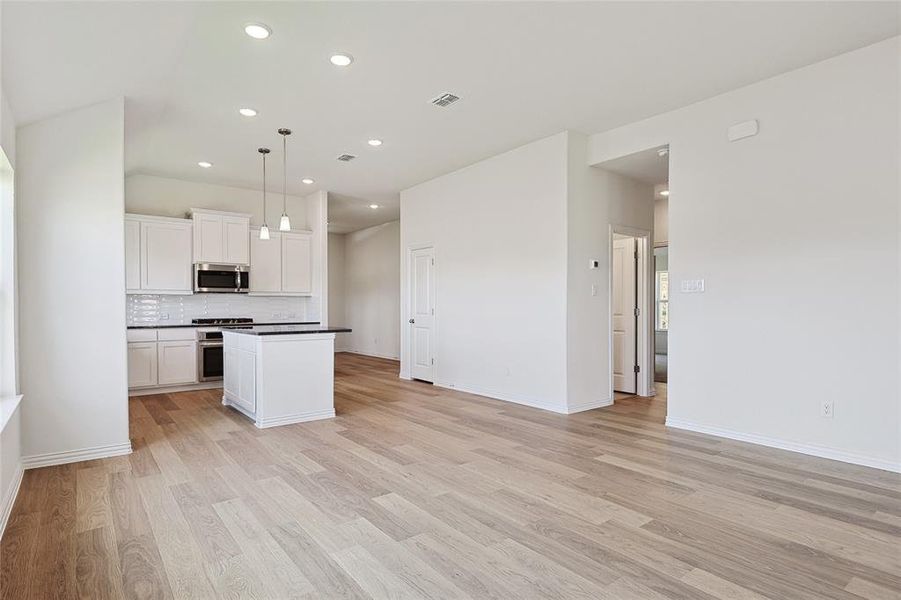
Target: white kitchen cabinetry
<point x="281" y="265"/>
<point x="280" y="379"/>
<point x="177" y="362"/>
<point x="221" y="237"/>
<point x="239" y="377"/>
<point x="157" y="255"/>
<point x="161" y="357"/>
<point x="265" y="263"/>
<point x="142" y="364"/>
<point x="297" y="264"/>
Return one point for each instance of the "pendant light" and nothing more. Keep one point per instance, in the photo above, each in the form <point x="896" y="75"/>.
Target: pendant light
<point x="284" y="223"/>
<point x="264" y="230"/>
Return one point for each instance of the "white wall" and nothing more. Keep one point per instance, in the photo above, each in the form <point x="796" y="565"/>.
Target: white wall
<point x="499" y="232"/>
<point x="71" y="241"/>
<point x="661" y="221"/>
<point x="372" y="290"/>
<point x="165" y="197"/>
<point x="10" y="407"/>
<point x="336" y="288"/>
<point x="597" y="199"/>
<point x="796" y="232"/>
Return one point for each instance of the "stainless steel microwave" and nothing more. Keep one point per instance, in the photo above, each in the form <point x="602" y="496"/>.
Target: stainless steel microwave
<point x="221" y="279"/>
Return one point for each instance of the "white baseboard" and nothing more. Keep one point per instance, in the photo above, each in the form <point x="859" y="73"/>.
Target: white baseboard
<point x="372" y="354"/>
<point x="471" y="389"/>
<point x="591" y="405"/>
<point x="69" y="456"/>
<point x="206" y="385"/>
<point x="9" y="497"/>
<point x="296" y="418"/>
<point x="811" y="450"/>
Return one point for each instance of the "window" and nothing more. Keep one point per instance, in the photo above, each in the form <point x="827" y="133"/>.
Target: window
<point x="661" y="288"/>
<point x="662" y="301"/>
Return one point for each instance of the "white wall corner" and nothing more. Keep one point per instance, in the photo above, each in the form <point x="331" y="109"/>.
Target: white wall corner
<point x="770" y="442"/>
<point x="70" y="456"/>
<point x="9" y="497"/>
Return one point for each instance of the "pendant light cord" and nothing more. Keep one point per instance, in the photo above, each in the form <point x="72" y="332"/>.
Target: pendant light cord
<point x="264" y="152"/>
<point x="285" y="173"/>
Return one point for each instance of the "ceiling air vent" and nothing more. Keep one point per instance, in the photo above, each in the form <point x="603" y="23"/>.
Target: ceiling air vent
<point x="346" y="157"/>
<point x="445" y="100"/>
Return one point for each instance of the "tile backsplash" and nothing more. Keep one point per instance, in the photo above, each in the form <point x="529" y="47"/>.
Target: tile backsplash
<point x="153" y="309"/>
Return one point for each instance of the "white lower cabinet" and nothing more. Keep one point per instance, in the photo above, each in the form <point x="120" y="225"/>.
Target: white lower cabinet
<point x="240" y="377"/>
<point x="142" y="364"/>
<point x="161" y="357"/>
<point x="177" y="362"/>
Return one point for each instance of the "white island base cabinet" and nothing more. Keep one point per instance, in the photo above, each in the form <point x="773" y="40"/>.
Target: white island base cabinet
<point x="279" y="379"/>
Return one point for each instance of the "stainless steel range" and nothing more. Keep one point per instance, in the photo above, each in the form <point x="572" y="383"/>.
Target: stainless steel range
<point x="209" y="345"/>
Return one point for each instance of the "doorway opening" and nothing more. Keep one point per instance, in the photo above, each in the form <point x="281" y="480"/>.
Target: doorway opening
<point x="639" y="278"/>
<point x="631" y="343"/>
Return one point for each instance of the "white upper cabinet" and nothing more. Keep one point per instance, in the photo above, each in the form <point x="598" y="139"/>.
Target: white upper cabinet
<point x="297" y="266"/>
<point x="221" y="237"/>
<point x="281" y="265"/>
<point x="235" y="234"/>
<point x="265" y="263"/>
<point x="157" y="255"/>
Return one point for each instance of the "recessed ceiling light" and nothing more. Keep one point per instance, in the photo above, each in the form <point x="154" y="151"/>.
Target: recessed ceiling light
<point x="205" y="164"/>
<point x="664" y="192"/>
<point x="247" y="112"/>
<point x="373" y="206"/>
<point x="375" y="142"/>
<point x="307" y="180"/>
<point x="341" y="60"/>
<point x="257" y="31"/>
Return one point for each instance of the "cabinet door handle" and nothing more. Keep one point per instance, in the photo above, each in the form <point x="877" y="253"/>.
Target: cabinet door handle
<point x="412" y="321"/>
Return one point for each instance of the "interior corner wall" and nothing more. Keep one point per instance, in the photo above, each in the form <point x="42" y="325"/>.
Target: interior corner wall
<point x="796" y="234"/>
<point x="71" y="264"/>
<point x="336" y="288"/>
<point x="596" y="200"/>
<point x="661" y="221"/>
<point x="372" y="290"/>
<point x="317" y="221"/>
<point x="499" y="232"/>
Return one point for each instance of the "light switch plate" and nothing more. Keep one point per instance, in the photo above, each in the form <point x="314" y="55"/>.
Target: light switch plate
<point x="692" y="286"/>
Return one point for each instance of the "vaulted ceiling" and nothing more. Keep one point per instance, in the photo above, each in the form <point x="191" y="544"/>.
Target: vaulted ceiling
<point x="522" y="70"/>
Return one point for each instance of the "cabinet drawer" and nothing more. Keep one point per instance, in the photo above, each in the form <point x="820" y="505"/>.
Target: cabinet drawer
<point x="176" y="334"/>
<point x="140" y="335"/>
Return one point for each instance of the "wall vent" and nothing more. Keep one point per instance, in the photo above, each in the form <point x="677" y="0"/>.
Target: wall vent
<point x="445" y="100"/>
<point x="346" y="157"/>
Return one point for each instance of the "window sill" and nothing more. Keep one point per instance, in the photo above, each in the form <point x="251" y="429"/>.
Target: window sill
<point x="8" y="407"/>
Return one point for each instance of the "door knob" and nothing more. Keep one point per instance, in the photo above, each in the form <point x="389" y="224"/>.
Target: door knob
<point x="412" y="321"/>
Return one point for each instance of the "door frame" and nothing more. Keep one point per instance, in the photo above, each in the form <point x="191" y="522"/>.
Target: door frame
<point x="406" y="305"/>
<point x="644" y="342"/>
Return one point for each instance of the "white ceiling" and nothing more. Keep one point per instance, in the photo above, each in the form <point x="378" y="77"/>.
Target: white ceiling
<point x="523" y="70"/>
<point x="646" y="166"/>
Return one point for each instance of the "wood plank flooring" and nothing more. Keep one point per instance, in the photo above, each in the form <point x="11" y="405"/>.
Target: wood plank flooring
<point x="419" y="492"/>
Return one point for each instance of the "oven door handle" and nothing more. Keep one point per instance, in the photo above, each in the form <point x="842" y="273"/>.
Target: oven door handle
<point x="209" y="344"/>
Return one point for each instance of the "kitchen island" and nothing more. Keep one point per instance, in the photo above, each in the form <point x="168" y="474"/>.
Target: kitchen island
<point x="280" y="374"/>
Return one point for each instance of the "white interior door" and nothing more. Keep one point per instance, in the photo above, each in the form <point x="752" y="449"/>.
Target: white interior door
<point x="623" y="306"/>
<point x="422" y="314"/>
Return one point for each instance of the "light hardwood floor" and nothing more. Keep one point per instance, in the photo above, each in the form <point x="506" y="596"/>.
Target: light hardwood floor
<point x="419" y="492"/>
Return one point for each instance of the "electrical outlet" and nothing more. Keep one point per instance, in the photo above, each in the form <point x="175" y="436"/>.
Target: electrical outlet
<point x="164" y="316"/>
<point x="827" y="409"/>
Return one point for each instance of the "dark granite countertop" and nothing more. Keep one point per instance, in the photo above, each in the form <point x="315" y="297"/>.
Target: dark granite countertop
<point x="193" y="325"/>
<point x="285" y="329"/>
